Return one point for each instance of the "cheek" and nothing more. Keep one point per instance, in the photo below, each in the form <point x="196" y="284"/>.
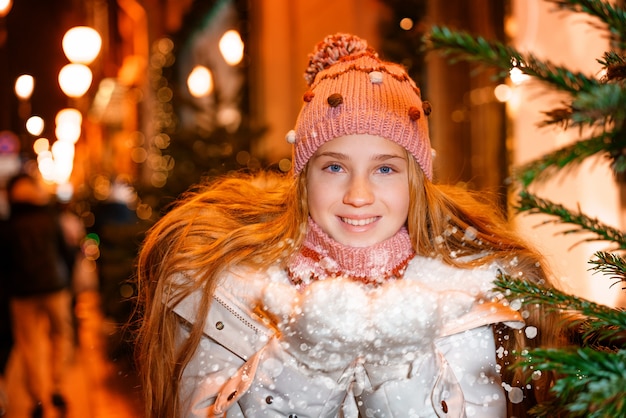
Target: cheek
<point x="398" y="199"/>
<point x="318" y="195"/>
<point x="314" y="196"/>
<point x="318" y="185"/>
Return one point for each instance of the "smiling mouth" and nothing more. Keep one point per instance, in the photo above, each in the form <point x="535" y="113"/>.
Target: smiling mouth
<point x="359" y="222"/>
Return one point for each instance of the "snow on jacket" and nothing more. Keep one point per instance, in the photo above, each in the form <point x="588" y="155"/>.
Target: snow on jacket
<point x="417" y="347"/>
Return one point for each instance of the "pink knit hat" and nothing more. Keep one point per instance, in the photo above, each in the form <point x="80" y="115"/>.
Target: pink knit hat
<point x="353" y="92"/>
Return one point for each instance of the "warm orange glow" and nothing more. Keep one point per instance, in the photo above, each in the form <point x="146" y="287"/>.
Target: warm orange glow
<point x="406" y="23"/>
<point x="41" y="145"/>
<point x="503" y="92"/>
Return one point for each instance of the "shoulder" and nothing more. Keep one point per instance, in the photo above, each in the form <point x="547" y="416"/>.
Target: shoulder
<point x="241" y="288"/>
<point x="233" y="320"/>
<point x="246" y="285"/>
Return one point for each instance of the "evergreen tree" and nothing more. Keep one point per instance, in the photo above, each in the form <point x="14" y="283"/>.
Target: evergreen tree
<point x="592" y="373"/>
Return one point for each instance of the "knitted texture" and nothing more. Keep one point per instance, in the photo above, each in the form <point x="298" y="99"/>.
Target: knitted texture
<point x="322" y="257"/>
<point x="352" y="92"/>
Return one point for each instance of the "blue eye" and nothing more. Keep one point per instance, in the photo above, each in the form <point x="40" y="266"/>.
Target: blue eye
<point x="335" y="168"/>
<point x="385" y="170"/>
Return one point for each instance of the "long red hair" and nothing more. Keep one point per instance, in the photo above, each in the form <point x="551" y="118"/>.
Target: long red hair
<point x="261" y="219"/>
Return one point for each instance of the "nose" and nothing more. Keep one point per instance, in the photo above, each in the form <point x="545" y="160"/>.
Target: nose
<point x="359" y="192"/>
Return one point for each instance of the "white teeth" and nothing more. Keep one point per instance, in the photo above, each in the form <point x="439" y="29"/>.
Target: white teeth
<point x="358" y="222"/>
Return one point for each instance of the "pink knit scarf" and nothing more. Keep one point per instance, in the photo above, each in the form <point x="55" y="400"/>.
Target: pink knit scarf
<point x="322" y="257"/>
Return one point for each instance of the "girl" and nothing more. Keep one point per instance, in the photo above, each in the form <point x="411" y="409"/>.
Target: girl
<point x="354" y="287"/>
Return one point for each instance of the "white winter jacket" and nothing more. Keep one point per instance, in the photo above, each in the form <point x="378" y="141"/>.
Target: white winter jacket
<point x="417" y="347"/>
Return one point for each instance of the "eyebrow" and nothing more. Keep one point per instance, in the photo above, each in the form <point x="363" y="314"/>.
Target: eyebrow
<point x="342" y="156"/>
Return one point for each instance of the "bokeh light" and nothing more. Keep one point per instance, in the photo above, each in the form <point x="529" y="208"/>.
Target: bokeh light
<point x="200" y="81"/>
<point x="35" y="125"/>
<point x="82" y="44"/>
<point x="75" y="79"/>
<point x="231" y="46"/>
<point x="24" y="86"/>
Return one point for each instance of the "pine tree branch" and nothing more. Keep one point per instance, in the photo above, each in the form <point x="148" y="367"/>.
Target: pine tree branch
<point x="604" y="318"/>
<point x="463" y="46"/>
<point x="611" y="58"/>
<point x="576" y="153"/>
<point x="460" y="45"/>
<point x="615" y="18"/>
<point x="591" y="382"/>
<point x="533" y="204"/>
<point x="601" y="105"/>
<point x="611" y="265"/>
<point x="615" y="65"/>
<point x="595" y="325"/>
<point x="594" y="103"/>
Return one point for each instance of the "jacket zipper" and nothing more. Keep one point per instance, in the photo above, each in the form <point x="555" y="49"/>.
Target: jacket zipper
<point x="237" y="315"/>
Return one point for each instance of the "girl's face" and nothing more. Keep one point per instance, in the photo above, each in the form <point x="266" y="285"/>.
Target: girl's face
<point x="358" y="189"/>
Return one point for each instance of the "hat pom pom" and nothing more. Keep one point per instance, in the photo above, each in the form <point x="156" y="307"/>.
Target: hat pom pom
<point x="331" y="50"/>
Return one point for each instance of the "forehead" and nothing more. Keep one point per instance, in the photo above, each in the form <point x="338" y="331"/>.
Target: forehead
<point x="361" y="144"/>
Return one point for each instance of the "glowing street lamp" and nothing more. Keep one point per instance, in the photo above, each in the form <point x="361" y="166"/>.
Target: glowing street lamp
<point x="5" y="7"/>
<point x="68" y="132"/>
<point x="68" y="125"/>
<point x="35" y="125"/>
<point x="69" y="116"/>
<point x="75" y="79"/>
<point x="82" y="44"/>
<point x="24" y="86"/>
<point x="63" y="157"/>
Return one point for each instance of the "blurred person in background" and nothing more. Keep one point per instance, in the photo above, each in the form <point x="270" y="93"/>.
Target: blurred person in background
<point x="41" y="261"/>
